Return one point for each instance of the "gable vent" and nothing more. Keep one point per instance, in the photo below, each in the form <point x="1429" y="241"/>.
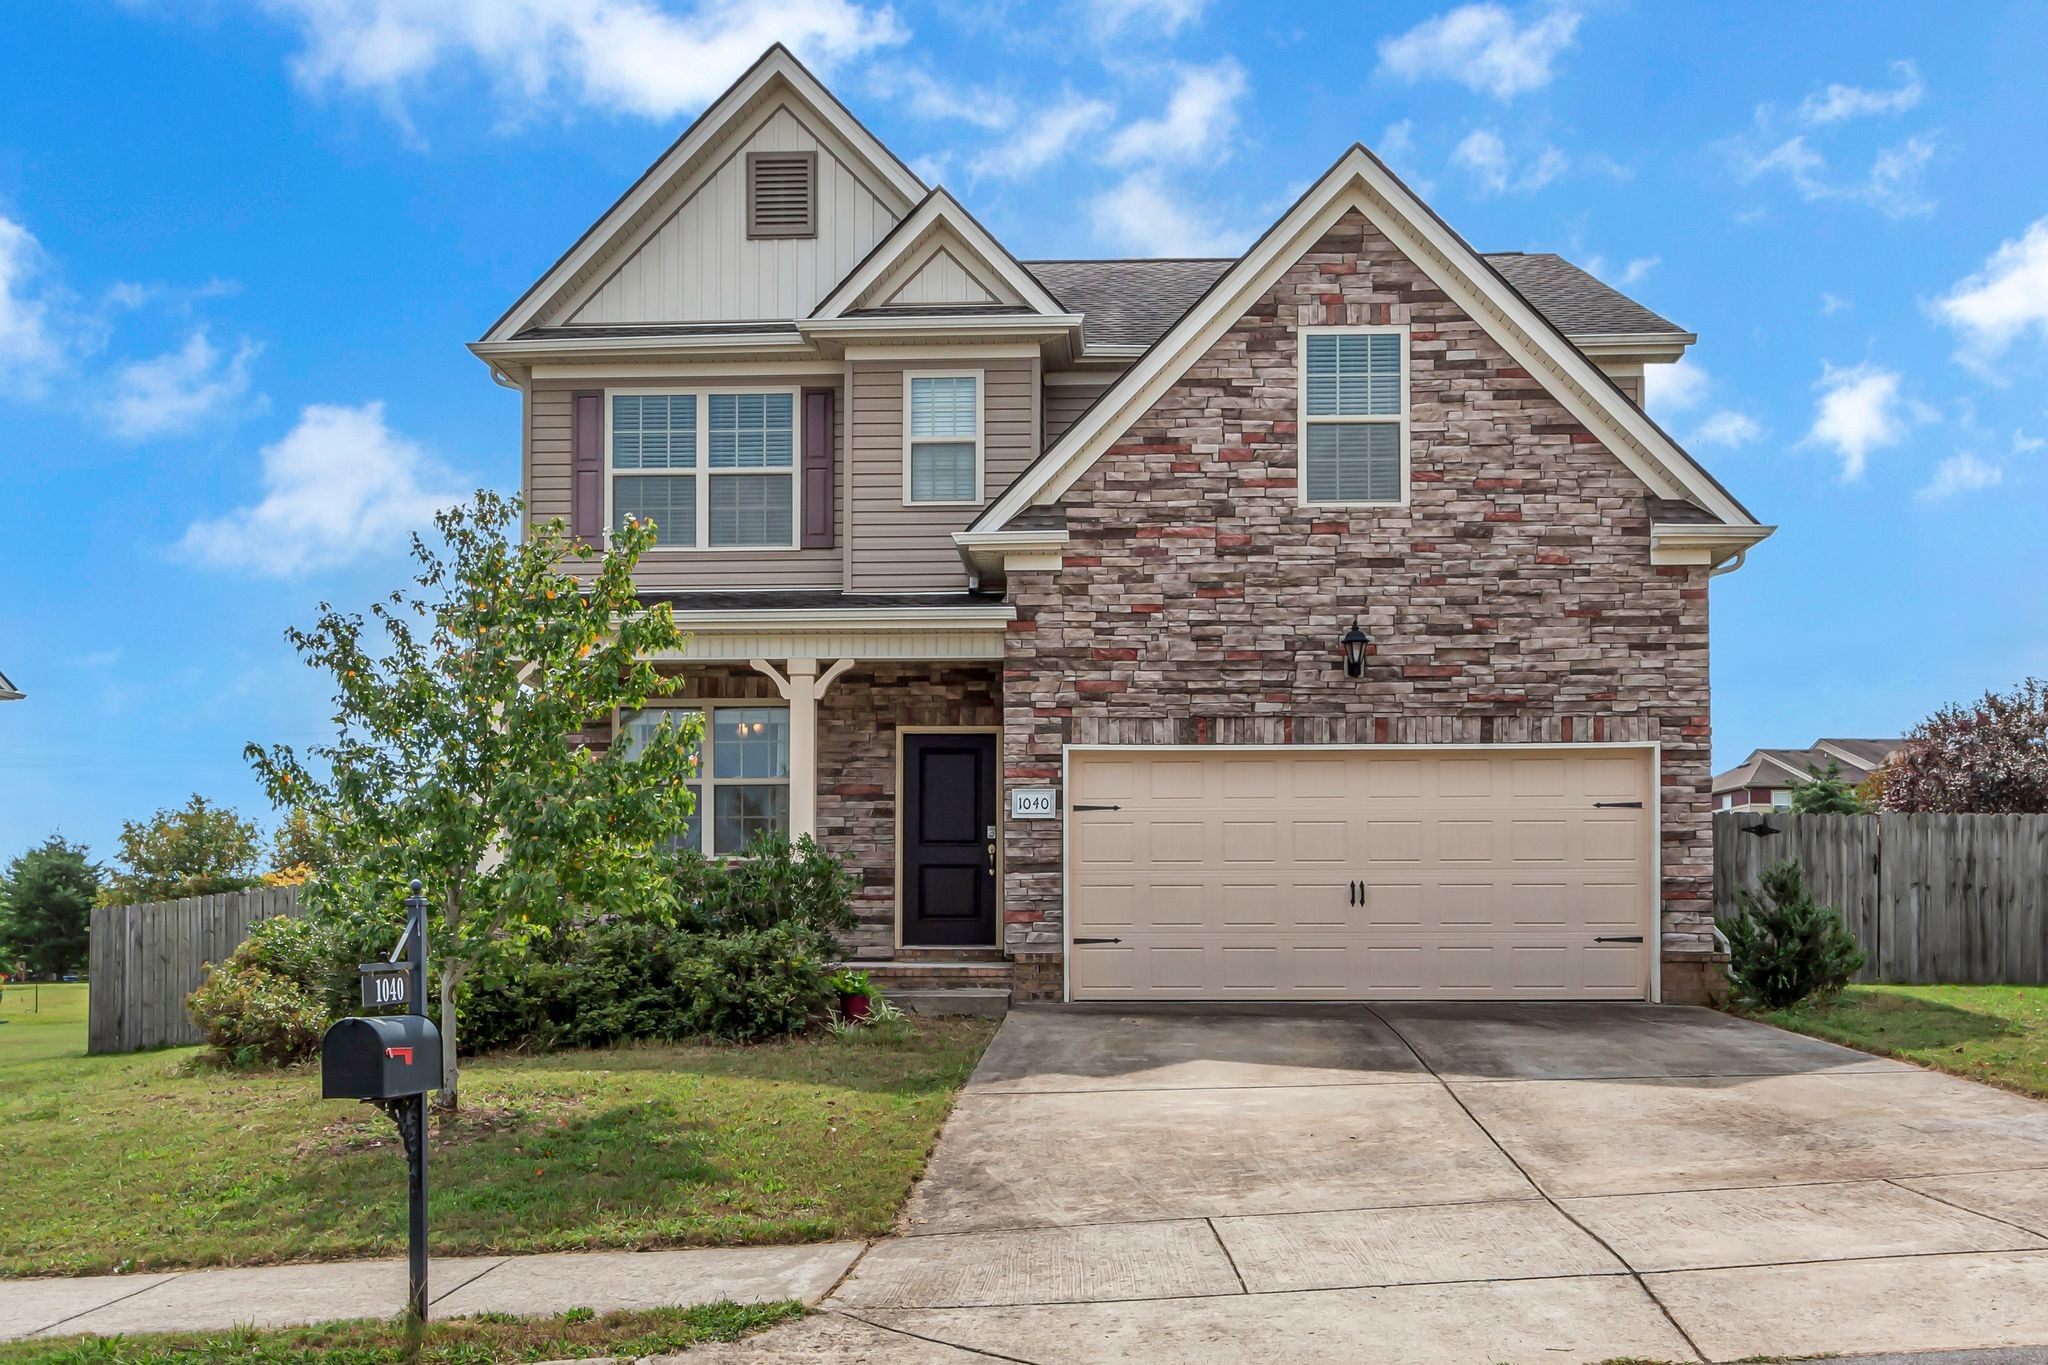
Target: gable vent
<point x="782" y="194"/>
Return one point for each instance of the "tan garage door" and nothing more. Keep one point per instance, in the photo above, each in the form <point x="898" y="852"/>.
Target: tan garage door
<point x="1359" y="874"/>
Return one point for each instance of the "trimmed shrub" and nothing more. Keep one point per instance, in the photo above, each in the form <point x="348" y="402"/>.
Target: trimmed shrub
<point x="758" y="983"/>
<point x="1785" y="948"/>
<point x="773" y="883"/>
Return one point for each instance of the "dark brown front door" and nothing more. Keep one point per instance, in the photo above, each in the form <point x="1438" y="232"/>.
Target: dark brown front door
<point x="949" y="841"/>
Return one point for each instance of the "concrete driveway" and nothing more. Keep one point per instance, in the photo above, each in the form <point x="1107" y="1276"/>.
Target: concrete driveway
<point x="1450" y="1183"/>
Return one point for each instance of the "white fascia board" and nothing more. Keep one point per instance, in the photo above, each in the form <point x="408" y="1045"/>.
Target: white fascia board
<point x="736" y="343"/>
<point x="1012" y="540"/>
<point x="1359" y="181"/>
<point x="923" y="326"/>
<point x="1711" y="545"/>
<point x="777" y="64"/>
<point x="992" y="617"/>
<point x="939" y="209"/>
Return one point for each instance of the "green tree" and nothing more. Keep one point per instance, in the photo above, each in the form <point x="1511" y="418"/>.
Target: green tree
<point x="197" y="849"/>
<point x="1783" y="946"/>
<point x="46" y="898"/>
<point x="460" y="757"/>
<point x="299" y="844"/>
<point x="1826" y="793"/>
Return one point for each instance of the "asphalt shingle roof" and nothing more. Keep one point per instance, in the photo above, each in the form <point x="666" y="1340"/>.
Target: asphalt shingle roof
<point x="1132" y="303"/>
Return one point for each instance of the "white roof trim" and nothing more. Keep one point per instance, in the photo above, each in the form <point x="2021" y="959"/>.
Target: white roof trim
<point x="991" y="617"/>
<point x="939" y="210"/>
<point x="1359" y="181"/>
<point x="776" y="65"/>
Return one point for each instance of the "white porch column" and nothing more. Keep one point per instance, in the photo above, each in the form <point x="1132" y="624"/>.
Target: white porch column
<point x="802" y="691"/>
<point x="801" y="688"/>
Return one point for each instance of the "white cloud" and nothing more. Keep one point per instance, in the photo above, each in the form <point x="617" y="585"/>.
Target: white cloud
<point x="1484" y="156"/>
<point x="1160" y="18"/>
<point x="1861" y="409"/>
<point x="930" y="98"/>
<point x="1044" y="139"/>
<point x="1199" y="117"/>
<point x="1638" y="269"/>
<point x="1727" y="428"/>
<point x="31" y="350"/>
<point x="1839" y="102"/>
<point x="179" y="390"/>
<point x="631" y="57"/>
<point x="1677" y="387"/>
<point x="1831" y="304"/>
<point x="1961" y="472"/>
<point x="341" y="486"/>
<point x="1892" y="185"/>
<point x="2006" y="299"/>
<point x="1143" y="216"/>
<point x="1482" y="48"/>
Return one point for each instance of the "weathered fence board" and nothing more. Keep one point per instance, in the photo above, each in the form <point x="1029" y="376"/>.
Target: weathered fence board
<point x="145" y="959"/>
<point x="1935" y="899"/>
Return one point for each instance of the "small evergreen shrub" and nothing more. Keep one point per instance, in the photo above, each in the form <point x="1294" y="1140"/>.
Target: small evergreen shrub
<point x="1784" y="947"/>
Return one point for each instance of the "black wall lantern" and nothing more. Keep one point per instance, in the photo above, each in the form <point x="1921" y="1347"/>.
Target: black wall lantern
<point x="1355" y="642"/>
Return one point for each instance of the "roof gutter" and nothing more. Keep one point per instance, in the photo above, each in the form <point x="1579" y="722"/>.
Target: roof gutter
<point x="1720" y="547"/>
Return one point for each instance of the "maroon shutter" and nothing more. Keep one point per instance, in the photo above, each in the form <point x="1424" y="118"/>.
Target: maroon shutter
<point x="818" y="480"/>
<point x="586" y="467"/>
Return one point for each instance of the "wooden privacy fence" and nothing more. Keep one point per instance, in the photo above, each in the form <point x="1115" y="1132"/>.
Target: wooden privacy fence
<point x="145" y="959"/>
<point x="1933" y="899"/>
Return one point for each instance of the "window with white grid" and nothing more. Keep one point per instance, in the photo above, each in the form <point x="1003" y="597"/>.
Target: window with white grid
<point x="1354" y="416"/>
<point x="712" y="470"/>
<point x="942" y="438"/>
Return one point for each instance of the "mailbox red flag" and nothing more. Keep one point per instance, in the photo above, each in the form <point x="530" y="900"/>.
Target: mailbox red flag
<point x="403" y="1054"/>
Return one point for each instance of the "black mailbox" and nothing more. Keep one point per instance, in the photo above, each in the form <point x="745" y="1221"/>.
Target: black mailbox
<point x="380" y="1059"/>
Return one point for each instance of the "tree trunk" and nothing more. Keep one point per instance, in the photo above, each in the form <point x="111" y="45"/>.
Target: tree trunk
<point x="451" y="1070"/>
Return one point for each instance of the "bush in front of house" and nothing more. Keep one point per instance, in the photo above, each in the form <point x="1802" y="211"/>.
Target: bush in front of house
<point x="260" y="1008"/>
<point x="754" y="984"/>
<point x="1783" y="946"/>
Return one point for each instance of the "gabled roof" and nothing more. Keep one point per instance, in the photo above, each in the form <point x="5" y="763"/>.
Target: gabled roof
<point x="777" y="73"/>
<point x="938" y="222"/>
<point x="1855" y="758"/>
<point x="1360" y="182"/>
<point x="1579" y="303"/>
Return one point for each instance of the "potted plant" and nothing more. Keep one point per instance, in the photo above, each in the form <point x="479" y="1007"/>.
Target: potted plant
<point x="854" y="994"/>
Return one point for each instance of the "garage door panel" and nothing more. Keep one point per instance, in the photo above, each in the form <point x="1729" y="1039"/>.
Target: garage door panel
<point x="1485" y="875"/>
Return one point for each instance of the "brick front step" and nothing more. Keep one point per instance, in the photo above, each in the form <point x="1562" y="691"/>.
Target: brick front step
<point x="901" y="976"/>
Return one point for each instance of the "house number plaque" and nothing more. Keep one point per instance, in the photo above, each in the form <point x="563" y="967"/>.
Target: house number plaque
<point x="1034" y="803"/>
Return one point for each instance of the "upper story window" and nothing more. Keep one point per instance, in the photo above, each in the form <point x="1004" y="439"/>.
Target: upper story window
<point x="782" y="194"/>
<point x="942" y="438"/>
<point x="712" y="470"/>
<point x="1354" y="415"/>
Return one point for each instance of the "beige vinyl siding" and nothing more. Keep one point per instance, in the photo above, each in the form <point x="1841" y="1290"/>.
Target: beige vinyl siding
<point x="700" y="266"/>
<point x="941" y="279"/>
<point x="1067" y="400"/>
<point x="548" y="475"/>
<point x="910" y="549"/>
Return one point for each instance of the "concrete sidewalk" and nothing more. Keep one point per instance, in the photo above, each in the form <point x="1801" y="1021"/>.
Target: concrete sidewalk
<point x="293" y="1295"/>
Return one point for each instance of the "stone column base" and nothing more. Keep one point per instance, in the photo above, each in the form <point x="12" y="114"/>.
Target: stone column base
<point x="1697" y="979"/>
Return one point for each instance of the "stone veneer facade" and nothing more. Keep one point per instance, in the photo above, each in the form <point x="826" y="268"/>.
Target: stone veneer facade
<point x="1513" y="600"/>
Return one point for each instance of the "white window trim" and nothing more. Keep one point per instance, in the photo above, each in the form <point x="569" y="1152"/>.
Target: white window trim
<point x="707" y="808"/>
<point x="1302" y="419"/>
<point x="702" y="470"/>
<point x="980" y="378"/>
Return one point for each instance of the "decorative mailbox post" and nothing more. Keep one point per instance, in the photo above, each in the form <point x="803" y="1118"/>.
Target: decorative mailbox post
<point x="392" y="1062"/>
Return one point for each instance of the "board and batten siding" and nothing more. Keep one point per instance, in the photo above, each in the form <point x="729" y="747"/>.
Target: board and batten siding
<point x="898" y="548"/>
<point x="1067" y="400"/>
<point x="548" y="474"/>
<point x="700" y="265"/>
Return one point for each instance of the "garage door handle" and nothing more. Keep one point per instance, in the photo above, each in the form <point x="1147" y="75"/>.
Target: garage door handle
<point x="1095" y="808"/>
<point x="1080" y="941"/>
<point x="1619" y="938"/>
<point x="1617" y="805"/>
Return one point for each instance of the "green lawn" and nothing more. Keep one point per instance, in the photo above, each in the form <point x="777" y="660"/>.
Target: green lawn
<point x="146" y="1160"/>
<point x="1997" y="1034"/>
<point x="486" y="1339"/>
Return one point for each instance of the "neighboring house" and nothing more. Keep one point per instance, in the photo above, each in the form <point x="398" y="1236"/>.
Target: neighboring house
<point x="1025" y="586"/>
<point x="1764" y="780"/>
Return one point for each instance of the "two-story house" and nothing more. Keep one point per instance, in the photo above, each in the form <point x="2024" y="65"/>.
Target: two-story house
<point x="1327" y="622"/>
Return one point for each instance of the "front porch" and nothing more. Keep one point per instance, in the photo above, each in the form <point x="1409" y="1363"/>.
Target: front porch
<point x="877" y="731"/>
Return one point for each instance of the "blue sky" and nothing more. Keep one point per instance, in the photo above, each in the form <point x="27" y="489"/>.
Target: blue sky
<point x="241" y="247"/>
